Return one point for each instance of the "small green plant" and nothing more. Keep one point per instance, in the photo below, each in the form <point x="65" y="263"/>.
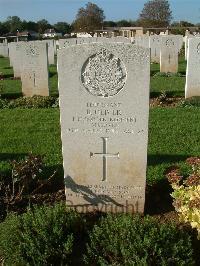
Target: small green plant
<point x="163" y="74"/>
<point x="127" y="240"/>
<point x="191" y="102"/>
<point x="30" y="102"/>
<point x="162" y="97"/>
<point x="186" y="193"/>
<point x="44" y="236"/>
<point x="25" y="172"/>
<point x="24" y="177"/>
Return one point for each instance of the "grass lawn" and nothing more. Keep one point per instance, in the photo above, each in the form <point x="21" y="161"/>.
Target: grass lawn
<point x="173" y="86"/>
<point x="173" y="136"/>
<point x="12" y="88"/>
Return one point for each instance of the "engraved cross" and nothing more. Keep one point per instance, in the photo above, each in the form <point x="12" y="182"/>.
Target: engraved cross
<point x="105" y="155"/>
<point x="169" y="59"/>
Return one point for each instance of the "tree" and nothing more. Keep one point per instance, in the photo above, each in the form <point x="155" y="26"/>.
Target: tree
<point x="3" y="28"/>
<point x="156" y="13"/>
<point x="89" y="19"/>
<point x="109" y="23"/>
<point x="43" y="25"/>
<point x="13" y="23"/>
<point x="62" y="27"/>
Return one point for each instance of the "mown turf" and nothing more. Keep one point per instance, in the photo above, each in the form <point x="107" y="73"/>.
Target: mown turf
<point x="12" y="88"/>
<point x="173" y="86"/>
<point x="173" y="136"/>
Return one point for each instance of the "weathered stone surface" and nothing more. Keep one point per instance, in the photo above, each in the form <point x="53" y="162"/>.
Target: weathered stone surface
<point x="15" y="57"/>
<point x="35" y="76"/>
<point x="186" y="44"/>
<point x="142" y="41"/>
<point x="155" y="42"/>
<point x="169" y="54"/>
<point x="51" y="51"/>
<point x="66" y="42"/>
<point x="4" y="49"/>
<point x="192" y="87"/>
<point x="104" y="104"/>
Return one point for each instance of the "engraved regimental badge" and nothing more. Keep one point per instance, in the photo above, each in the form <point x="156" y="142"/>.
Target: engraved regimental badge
<point x="103" y="74"/>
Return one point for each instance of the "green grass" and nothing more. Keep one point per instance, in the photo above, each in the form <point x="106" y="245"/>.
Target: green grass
<point x="12" y="88"/>
<point x="173" y="86"/>
<point x="173" y="136"/>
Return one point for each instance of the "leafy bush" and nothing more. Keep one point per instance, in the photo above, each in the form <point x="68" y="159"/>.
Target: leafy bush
<point x="193" y="101"/>
<point x="127" y="240"/>
<point x="44" y="236"/>
<point x="30" y="102"/>
<point x="163" y="74"/>
<point x="186" y="194"/>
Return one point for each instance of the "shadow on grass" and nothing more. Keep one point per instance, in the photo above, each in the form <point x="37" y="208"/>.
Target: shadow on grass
<point x="52" y="74"/>
<point x="7" y="76"/>
<point x="155" y="159"/>
<point x="155" y="94"/>
<point x="11" y="95"/>
<point x="12" y="156"/>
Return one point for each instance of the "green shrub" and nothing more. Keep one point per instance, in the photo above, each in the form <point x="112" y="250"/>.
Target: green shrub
<point x="127" y="240"/>
<point x="30" y="102"/>
<point x="163" y="74"/>
<point x="44" y="236"/>
<point x="193" y="101"/>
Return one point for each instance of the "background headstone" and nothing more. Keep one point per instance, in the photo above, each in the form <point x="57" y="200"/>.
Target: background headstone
<point x="16" y="57"/>
<point x="155" y="48"/>
<point x="192" y="87"/>
<point x="4" y="49"/>
<point x="169" y="54"/>
<point x="66" y="42"/>
<point x="104" y="104"/>
<point x="51" y="51"/>
<point x="35" y="76"/>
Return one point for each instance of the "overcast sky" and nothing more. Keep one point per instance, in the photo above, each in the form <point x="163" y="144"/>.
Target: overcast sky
<point x="65" y="10"/>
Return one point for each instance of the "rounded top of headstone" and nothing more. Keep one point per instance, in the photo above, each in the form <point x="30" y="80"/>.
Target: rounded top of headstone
<point x="103" y="74"/>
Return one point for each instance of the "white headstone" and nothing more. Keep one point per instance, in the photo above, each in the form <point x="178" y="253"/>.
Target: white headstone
<point x="104" y="104"/>
<point x="66" y="42"/>
<point x="35" y="76"/>
<point x="16" y="57"/>
<point x="155" y="41"/>
<point x="51" y="51"/>
<point x="192" y="87"/>
<point x="169" y="54"/>
<point x="4" y="49"/>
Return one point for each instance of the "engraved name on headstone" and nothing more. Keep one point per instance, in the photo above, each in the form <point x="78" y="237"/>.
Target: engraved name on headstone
<point x="104" y="104"/>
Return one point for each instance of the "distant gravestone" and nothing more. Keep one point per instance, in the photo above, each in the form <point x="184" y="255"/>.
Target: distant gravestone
<point x="66" y="42"/>
<point x="16" y="57"/>
<point x="169" y="54"/>
<point x="104" y="104"/>
<point x="192" y="87"/>
<point x="142" y="41"/>
<point x="186" y="43"/>
<point x="180" y="42"/>
<point x="155" y="43"/>
<point x="4" y="49"/>
<point x="51" y="51"/>
<point x="35" y="77"/>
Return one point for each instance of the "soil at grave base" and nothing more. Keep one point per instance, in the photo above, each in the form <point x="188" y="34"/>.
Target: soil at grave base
<point x="167" y="102"/>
